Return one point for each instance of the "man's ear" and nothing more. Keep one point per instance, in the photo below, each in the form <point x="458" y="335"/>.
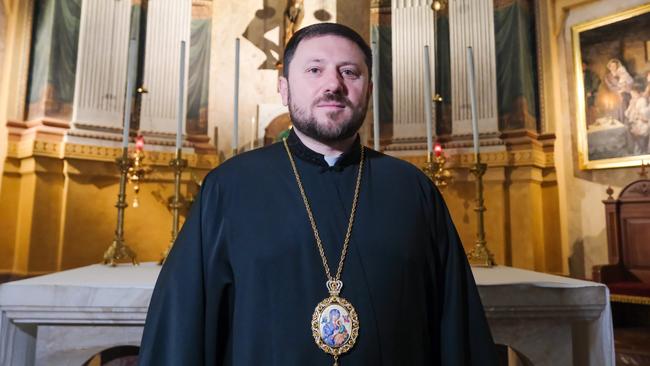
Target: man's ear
<point x="283" y="86"/>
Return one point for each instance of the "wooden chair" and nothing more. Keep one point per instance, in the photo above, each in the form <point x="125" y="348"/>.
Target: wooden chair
<point x="628" y="274"/>
<point x="628" y="239"/>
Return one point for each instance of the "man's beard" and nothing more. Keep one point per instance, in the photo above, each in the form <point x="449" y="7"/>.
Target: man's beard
<point x="306" y="123"/>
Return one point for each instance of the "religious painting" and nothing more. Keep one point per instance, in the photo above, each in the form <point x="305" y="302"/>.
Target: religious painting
<point x="335" y="326"/>
<point x="613" y="89"/>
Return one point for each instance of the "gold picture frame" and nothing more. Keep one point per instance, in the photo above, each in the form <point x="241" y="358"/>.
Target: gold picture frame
<point x="612" y="73"/>
<point x="316" y="323"/>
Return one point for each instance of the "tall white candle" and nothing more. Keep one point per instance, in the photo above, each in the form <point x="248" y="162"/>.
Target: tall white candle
<point x="428" y="101"/>
<point x="132" y="64"/>
<point x="235" y="127"/>
<point x="375" y="92"/>
<point x="181" y="96"/>
<point x="253" y="132"/>
<point x="471" y="83"/>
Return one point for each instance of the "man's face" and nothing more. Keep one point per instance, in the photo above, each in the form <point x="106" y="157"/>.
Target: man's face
<point x="327" y="89"/>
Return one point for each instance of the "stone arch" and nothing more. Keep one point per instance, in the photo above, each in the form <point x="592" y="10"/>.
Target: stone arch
<point x="276" y="127"/>
<point x="115" y="356"/>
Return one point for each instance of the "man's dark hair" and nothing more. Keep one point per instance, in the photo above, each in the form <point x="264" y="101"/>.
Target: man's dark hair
<point x="325" y="29"/>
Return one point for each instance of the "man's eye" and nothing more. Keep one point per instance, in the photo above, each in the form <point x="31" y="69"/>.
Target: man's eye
<point x="349" y="73"/>
<point x="313" y="70"/>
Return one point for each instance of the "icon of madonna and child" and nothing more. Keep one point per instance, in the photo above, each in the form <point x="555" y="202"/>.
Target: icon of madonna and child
<point x="335" y="326"/>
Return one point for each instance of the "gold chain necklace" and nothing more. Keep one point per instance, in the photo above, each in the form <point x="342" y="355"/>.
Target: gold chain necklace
<point x="335" y="323"/>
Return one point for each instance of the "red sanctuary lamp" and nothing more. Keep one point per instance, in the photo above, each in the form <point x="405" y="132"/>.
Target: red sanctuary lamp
<point x="435" y="167"/>
<point x="437" y="149"/>
<point x="139" y="143"/>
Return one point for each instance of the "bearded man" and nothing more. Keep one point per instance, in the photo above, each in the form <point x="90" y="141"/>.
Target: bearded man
<point x="282" y="236"/>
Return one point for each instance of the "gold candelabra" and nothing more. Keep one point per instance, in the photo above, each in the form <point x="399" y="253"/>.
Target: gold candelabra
<point x="118" y="250"/>
<point x="480" y="255"/>
<point x="435" y="168"/>
<point x="137" y="171"/>
<point x="177" y="164"/>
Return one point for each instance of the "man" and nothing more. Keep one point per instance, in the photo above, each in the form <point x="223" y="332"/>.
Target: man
<point x="282" y="235"/>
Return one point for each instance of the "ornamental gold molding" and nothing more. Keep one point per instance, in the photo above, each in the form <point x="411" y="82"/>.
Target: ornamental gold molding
<point x="27" y="148"/>
<point x="156" y="158"/>
<point x="630" y="299"/>
<point x="47" y="149"/>
<point x="19" y="149"/>
<point x="531" y="157"/>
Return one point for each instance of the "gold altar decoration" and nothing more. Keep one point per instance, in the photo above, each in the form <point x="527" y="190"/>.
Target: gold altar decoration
<point x="480" y="255"/>
<point x="177" y="164"/>
<point x="118" y="250"/>
<point x="435" y="168"/>
<point x="438" y="5"/>
<point x="137" y="170"/>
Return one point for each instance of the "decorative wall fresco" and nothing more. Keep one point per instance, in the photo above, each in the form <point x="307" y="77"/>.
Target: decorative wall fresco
<point x="53" y="58"/>
<point x="198" y="81"/>
<point x="517" y="90"/>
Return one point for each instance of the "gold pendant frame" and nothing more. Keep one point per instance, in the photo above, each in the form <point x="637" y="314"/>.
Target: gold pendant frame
<point x="316" y="331"/>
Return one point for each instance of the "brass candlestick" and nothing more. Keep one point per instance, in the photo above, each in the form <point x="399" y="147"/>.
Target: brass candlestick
<point x="136" y="173"/>
<point x="435" y="170"/>
<point x="118" y="249"/>
<point x="177" y="164"/>
<point x="480" y="255"/>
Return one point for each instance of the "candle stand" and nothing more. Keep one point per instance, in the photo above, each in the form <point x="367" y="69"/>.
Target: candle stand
<point x="435" y="170"/>
<point x="177" y="164"/>
<point x="118" y="250"/>
<point x="480" y="255"/>
<point x="136" y="173"/>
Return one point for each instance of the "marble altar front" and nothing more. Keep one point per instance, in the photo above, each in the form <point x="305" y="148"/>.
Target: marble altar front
<point x="65" y="318"/>
<point x="547" y="319"/>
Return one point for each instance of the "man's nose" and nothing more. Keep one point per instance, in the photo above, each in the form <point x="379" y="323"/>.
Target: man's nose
<point x="333" y="82"/>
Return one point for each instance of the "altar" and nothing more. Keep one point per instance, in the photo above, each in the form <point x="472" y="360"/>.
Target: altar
<point x="67" y="317"/>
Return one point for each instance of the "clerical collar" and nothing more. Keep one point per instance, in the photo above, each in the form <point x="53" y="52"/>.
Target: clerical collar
<point x="351" y="156"/>
<point x="331" y="160"/>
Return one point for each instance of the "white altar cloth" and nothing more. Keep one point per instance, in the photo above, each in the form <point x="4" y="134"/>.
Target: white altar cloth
<point x="67" y="317"/>
<point x="575" y="315"/>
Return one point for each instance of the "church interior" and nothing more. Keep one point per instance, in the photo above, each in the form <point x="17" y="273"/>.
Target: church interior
<point x="562" y="113"/>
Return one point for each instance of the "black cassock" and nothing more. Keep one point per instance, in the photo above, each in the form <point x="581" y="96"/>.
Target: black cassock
<point x="244" y="277"/>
